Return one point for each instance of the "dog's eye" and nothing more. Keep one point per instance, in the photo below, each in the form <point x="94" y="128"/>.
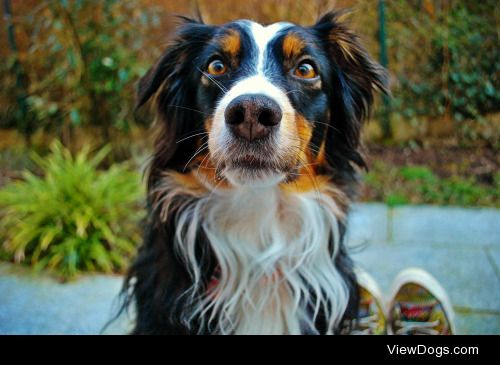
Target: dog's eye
<point x="217" y="67"/>
<point x="305" y="71"/>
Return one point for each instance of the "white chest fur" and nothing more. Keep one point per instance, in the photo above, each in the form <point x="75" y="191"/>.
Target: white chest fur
<point x="272" y="247"/>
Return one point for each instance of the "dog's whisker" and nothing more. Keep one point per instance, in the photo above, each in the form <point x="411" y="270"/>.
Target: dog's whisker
<point x="194" y="135"/>
<point x="199" y="150"/>
<point x="186" y="108"/>
<point x="219" y="85"/>
<point x="327" y="125"/>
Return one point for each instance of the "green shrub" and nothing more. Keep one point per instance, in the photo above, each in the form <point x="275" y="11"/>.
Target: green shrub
<point x="412" y="173"/>
<point x="420" y="185"/>
<point x="445" y="57"/>
<point x="395" y="199"/>
<point x="75" y="217"/>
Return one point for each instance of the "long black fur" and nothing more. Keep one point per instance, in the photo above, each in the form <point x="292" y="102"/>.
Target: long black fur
<point x="158" y="278"/>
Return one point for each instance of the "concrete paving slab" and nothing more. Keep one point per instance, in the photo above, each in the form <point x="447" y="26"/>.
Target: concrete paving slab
<point x="40" y="305"/>
<point x="446" y="225"/>
<point x="367" y="224"/>
<point x="466" y="274"/>
<point x="495" y="257"/>
<point x="477" y="323"/>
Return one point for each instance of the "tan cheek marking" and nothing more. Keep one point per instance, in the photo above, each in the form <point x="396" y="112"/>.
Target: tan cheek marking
<point x="209" y="175"/>
<point x="198" y="181"/>
<point x="292" y="45"/>
<point x="188" y="181"/>
<point x="231" y="43"/>
<point x="208" y="124"/>
<point x="306" y="182"/>
<point x="318" y="183"/>
<point x="206" y="167"/>
<point x="321" y="157"/>
<point x="304" y="132"/>
<point x="307" y="179"/>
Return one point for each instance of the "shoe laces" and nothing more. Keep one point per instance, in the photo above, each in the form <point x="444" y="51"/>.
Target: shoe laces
<point x="365" y="325"/>
<point x="417" y="328"/>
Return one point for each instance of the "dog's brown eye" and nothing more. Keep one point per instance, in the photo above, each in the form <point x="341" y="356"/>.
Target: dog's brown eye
<point x="305" y="71"/>
<point x="217" y="67"/>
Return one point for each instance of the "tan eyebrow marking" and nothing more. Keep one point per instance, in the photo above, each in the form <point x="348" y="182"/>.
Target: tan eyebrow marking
<point x="292" y="45"/>
<point x="231" y="42"/>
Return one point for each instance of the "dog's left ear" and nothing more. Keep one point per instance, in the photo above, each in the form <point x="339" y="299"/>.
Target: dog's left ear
<point x="355" y="77"/>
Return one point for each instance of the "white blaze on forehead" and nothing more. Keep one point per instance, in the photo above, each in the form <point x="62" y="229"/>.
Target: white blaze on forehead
<point x="257" y="84"/>
<point x="262" y="36"/>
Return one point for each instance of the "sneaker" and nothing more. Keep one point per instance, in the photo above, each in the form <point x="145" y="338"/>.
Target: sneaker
<point x="371" y="319"/>
<point x="419" y="305"/>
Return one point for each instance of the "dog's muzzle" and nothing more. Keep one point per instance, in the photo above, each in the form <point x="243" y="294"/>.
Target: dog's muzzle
<point x="253" y="116"/>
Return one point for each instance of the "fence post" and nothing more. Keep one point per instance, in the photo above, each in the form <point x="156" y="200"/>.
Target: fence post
<point x="386" y="117"/>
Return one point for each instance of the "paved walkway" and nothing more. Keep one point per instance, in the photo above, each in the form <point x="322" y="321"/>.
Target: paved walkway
<point x="460" y="247"/>
<point x="40" y="305"/>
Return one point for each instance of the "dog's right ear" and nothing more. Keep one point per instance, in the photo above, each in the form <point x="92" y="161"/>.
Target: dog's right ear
<point x="176" y="61"/>
<point x="149" y="84"/>
<point x="171" y="84"/>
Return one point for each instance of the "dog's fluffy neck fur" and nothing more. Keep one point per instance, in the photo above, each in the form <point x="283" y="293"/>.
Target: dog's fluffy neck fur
<point x="275" y="252"/>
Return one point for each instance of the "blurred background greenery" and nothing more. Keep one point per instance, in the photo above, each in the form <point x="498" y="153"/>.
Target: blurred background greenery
<point x="67" y="81"/>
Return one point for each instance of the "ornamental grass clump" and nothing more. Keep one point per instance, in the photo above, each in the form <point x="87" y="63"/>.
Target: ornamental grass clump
<point x="74" y="216"/>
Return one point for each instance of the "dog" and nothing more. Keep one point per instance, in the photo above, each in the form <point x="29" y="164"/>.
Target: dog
<point x="256" y="161"/>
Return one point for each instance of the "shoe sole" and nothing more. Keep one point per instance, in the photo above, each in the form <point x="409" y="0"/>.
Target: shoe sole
<point x="421" y="277"/>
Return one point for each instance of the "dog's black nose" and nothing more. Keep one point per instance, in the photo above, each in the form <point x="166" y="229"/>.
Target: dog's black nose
<point x="252" y="116"/>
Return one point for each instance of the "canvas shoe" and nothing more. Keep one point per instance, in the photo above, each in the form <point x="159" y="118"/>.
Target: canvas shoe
<point x="419" y="305"/>
<point x="371" y="315"/>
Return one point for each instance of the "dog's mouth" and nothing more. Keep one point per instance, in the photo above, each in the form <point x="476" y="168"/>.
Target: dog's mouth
<point x="252" y="169"/>
<point x="252" y="163"/>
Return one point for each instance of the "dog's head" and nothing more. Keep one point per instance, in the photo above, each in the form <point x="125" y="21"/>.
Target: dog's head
<point x="259" y="105"/>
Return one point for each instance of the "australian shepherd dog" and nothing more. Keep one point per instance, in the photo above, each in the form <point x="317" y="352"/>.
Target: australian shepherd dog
<point x="254" y="167"/>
